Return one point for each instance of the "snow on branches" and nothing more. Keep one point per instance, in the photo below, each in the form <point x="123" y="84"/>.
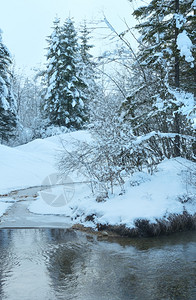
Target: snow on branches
<point x="184" y="44"/>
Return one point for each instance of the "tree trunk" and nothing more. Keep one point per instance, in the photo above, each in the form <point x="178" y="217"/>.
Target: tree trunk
<point x="177" y="85"/>
<point x="194" y="74"/>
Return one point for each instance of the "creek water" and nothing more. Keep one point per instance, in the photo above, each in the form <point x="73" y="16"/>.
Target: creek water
<point x="49" y="264"/>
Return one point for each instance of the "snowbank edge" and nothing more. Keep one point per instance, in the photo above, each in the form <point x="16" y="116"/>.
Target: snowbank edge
<point x="175" y="223"/>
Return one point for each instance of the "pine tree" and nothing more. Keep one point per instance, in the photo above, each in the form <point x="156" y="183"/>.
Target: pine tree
<point x="8" y="118"/>
<point x="85" y="47"/>
<point x="162" y="107"/>
<point x="188" y="71"/>
<point x="53" y="75"/>
<point x="161" y="22"/>
<point x="87" y="66"/>
<point x="64" y="98"/>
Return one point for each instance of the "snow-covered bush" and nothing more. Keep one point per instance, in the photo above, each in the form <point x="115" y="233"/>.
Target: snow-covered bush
<point x="113" y="153"/>
<point x="53" y="130"/>
<point x="103" y="159"/>
<point x="40" y="129"/>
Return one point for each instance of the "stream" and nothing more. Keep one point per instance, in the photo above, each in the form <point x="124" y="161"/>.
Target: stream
<point x="49" y="264"/>
<point x="42" y="259"/>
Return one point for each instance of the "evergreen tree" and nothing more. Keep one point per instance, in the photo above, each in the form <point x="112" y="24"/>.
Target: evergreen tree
<point x="8" y="118"/>
<point x="84" y="44"/>
<point x="53" y="75"/>
<point x="161" y="24"/>
<point x="166" y="53"/>
<point x="87" y="67"/>
<point x="64" y="98"/>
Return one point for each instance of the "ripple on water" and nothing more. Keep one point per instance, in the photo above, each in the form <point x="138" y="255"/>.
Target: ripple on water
<point x="61" y="264"/>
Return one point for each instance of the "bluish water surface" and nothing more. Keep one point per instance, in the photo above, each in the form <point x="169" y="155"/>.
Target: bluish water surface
<point x="49" y="264"/>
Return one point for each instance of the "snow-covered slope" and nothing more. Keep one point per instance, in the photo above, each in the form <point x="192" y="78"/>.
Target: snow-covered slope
<point x="29" y="164"/>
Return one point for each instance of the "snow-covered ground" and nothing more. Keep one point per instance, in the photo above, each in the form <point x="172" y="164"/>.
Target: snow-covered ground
<point x="146" y="196"/>
<point x="28" y="165"/>
<point x="4" y="206"/>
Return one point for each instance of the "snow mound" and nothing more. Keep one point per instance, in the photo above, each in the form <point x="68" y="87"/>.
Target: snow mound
<point x="146" y="197"/>
<point x="28" y="165"/>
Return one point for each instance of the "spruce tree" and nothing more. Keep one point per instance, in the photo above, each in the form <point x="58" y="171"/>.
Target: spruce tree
<point x="65" y="106"/>
<point x="169" y="71"/>
<point x="160" y="23"/>
<point x="85" y="47"/>
<point x="87" y="68"/>
<point x="8" y="118"/>
<point x="53" y="75"/>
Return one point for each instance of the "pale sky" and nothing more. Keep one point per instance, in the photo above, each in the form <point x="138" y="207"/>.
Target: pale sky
<point x="27" y="23"/>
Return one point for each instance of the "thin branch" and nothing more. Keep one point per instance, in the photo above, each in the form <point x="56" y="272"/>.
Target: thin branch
<point x="127" y="44"/>
<point x="114" y="81"/>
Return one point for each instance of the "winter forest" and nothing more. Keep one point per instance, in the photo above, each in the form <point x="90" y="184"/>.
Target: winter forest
<point x="136" y="102"/>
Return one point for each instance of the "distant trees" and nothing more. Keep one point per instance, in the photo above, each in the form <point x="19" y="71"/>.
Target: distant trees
<point x="8" y="119"/>
<point x="28" y="93"/>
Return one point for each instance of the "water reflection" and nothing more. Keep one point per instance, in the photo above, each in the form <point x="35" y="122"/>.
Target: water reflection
<point x="58" y="264"/>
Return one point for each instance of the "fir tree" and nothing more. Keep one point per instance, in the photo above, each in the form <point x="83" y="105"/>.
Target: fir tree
<point x="87" y="66"/>
<point x="161" y="22"/>
<point x="85" y="47"/>
<point x="64" y="98"/>
<point x="169" y="73"/>
<point x="8" y="118"/>
<point x="53" y="75"/>
<point x="87" y="71"/>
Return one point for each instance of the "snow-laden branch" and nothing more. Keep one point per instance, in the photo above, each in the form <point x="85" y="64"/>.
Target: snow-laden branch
<point x="140" y="139"/>
<point x="184" y="44"/>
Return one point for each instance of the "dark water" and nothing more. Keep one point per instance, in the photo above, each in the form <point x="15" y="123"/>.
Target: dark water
<point x="49" y="264"/>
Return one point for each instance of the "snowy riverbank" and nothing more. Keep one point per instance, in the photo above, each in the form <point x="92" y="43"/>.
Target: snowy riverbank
<point x="170" y="191"/>
<point x="147" y="197"/>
